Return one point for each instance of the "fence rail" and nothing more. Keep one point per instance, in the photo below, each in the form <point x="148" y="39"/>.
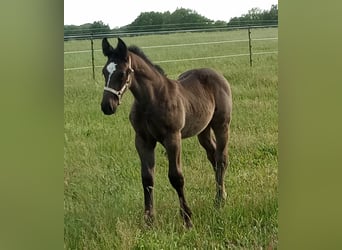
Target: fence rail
<point x="153" y="32"/>
<point x="187" y="59"/>
<point x="180" y="45"/>
<point x="249" y="40"/>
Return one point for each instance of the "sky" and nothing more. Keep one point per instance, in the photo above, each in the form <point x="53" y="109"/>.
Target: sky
<point x="120" y="13"/>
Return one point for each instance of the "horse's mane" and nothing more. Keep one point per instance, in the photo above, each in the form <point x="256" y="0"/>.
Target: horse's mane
<point x="136" y="50"/>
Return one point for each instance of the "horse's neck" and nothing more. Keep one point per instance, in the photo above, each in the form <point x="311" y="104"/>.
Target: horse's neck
<point x="148" y="82"/>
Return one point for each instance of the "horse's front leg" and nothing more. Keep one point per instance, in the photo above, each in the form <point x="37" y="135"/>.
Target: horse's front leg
<point x="172" y="145"/>
<point x="145" y="147"/>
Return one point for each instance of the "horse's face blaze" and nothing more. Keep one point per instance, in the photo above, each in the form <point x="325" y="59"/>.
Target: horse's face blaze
<point x="115" y="75"/>
<point x="109" y="100"/>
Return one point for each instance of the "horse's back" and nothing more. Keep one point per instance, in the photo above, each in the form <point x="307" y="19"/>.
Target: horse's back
<point x="207" y="77"/>
<point x="207" y="80"/>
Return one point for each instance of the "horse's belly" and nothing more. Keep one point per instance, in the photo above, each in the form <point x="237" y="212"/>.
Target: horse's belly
<point x="195" y="125"/>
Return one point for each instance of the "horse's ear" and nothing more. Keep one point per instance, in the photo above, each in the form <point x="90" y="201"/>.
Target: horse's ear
<point x="107" y="49"/>
<point x="122" y="49"/>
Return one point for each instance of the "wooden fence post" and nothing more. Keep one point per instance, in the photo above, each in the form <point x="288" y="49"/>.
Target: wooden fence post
<point x="92" y="56"/>
<point x="250" y="46"/>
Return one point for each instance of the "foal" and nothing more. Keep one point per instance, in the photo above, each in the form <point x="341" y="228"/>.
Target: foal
<point x="165" y="111"/>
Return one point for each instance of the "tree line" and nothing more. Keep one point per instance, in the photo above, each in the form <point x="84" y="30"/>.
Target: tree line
<point x="180" y="19"/>
<point x="256" y="16"/>
<point x="97" y="27"/>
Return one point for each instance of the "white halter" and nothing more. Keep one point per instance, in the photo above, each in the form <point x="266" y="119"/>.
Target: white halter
<point x="111" y="69"/>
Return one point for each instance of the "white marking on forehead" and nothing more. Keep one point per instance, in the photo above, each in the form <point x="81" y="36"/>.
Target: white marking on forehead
<point x="111" y="67"/>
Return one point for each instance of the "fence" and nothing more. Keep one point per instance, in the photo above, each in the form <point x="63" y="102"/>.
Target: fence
<point x="248" y="39"/>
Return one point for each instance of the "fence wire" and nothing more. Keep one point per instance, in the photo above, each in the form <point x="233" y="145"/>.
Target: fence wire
<point x="183" y="45"/>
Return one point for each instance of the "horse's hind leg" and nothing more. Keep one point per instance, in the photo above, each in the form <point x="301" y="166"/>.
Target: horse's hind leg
<point x="221" y="159"/>
<point x="145" y="149"/>
<point x="216" y="149"/>
<point x="207" y="141"/>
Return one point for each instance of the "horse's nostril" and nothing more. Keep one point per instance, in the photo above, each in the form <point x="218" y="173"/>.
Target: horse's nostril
<point x="108" y="108"/>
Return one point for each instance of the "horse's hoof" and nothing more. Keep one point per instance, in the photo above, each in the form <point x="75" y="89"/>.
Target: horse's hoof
<point x="219" y="202"/>
<point x="149" y="218"/>
<point x="188" y="224"/>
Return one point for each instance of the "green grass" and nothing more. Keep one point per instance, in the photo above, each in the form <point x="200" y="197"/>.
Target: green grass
<point x="103" y="198"/>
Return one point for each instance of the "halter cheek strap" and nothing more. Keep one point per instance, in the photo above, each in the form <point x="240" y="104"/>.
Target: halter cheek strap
<point x="128" y="82"/>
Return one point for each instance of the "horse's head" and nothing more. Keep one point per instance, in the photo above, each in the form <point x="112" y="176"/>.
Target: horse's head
<point x="117" y="73"/>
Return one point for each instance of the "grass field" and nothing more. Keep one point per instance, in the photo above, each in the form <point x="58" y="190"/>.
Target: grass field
<point x="103" y="198"/>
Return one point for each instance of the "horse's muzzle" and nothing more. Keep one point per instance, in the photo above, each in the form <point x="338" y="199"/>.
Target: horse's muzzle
<point x="109" y="107"/>
<point x="107" y="110"/>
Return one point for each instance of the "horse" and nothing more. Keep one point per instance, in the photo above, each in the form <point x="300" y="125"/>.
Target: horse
<point x="198" y="103"/>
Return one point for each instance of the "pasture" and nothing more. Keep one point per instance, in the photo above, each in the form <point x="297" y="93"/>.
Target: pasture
<point x="103" y="196"/>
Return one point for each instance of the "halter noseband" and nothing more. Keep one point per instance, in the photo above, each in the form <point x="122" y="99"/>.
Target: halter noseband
<point x="125" y="86"/>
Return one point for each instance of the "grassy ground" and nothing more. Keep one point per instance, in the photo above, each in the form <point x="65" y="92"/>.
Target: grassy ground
<point x="103" y="198"/>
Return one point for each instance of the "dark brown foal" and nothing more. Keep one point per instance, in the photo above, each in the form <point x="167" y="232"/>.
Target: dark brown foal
<point x="166" y="111"/>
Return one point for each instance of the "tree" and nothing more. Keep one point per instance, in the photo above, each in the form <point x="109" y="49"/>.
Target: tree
<point x="147" y="21"/>
<point x="256" y="16"/>
<point x="180" y="19"/>
<point x="97" y="27"/>
<point x="273" y="13"/>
